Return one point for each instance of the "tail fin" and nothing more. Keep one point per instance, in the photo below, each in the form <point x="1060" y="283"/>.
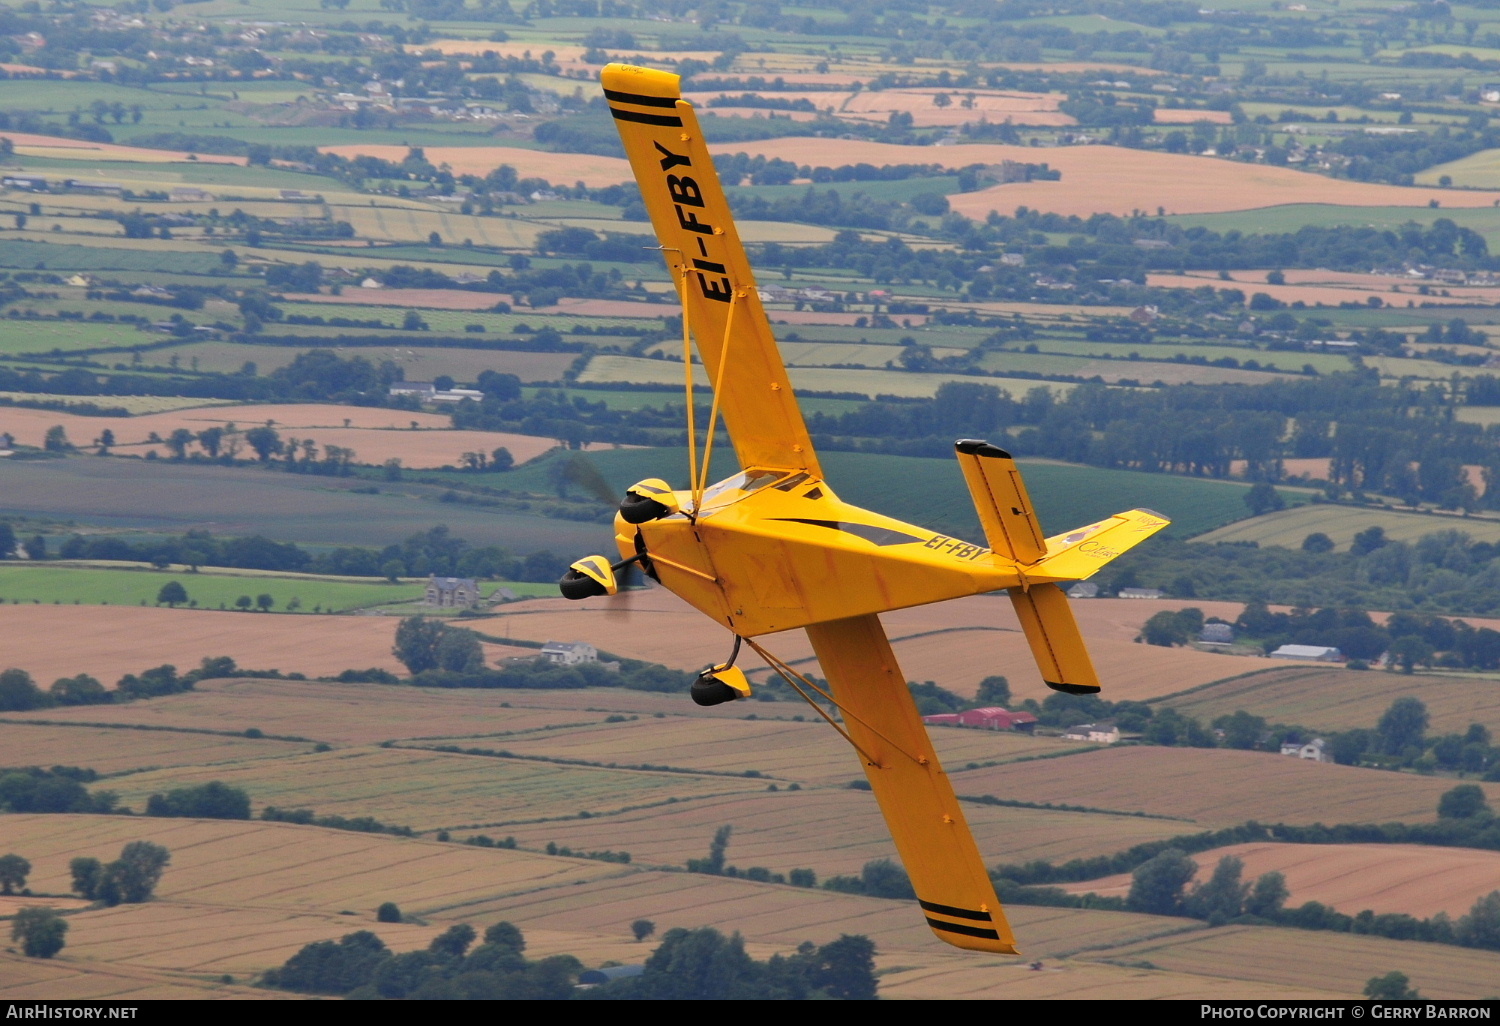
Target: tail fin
<point x="1055" y="640"/>
<point x="1005" y="511"/>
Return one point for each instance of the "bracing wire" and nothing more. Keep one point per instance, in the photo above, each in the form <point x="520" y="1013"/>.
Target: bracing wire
<point x="687" y="363"/>
<point x="713" y="410"/>
<point x="788" y="674"/>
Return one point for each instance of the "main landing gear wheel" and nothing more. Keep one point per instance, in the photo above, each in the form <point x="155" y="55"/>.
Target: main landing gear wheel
<point x="723" y="683"/>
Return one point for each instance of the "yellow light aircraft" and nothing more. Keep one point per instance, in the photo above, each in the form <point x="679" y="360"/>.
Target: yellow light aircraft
<point x="773" y="548"/>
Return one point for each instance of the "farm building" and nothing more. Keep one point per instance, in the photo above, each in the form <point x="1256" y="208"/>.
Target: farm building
<point x="1317" y="653"/>
<point x="451" y="592"/>
<point x="425" y="389"/>
<point x="569" y="653"/>
<point x="1104" y="733"/>
<point x="1083" y="590"/>
<point x="1140" y="593"/>
<point x="1315" y="750"/>
<point x="36" y="183"/>
<point x="1216" y="634"/>
<point x="991" y="718"/>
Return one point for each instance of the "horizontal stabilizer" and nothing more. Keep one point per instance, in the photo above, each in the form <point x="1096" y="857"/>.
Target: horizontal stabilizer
<point x="1080" y="553"/>
<point x="1055" y="640"/>
<point x="1005" y="510"/>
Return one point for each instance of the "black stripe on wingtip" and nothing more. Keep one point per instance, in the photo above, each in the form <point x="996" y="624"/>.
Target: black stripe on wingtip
<point x="639" y="99"/>
<point x="1073" y="689"/>
<point x="955" y="912"/>
<point x="967" y="931"/>
<point x="667" y="120"/>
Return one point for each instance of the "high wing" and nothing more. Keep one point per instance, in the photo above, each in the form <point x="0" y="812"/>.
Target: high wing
<point x="915" y="796"/>
<point x="690" y="214"/>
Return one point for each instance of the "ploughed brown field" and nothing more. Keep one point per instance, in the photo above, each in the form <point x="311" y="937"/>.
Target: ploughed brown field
<point x="1416" y="879"/>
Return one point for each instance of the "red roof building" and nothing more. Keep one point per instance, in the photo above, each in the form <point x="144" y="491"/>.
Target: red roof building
<point x="991" y="718"/>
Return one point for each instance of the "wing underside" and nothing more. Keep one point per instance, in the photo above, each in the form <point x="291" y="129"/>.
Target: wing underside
<point x="702" y="247"/>
<point x="915" y="795"/>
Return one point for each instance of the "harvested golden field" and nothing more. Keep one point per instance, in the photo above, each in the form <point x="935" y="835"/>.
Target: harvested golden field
<point x="963" y="105"/>
<point x="1337" y="962"/>
<point x="979" y="637"/>
<point x="781" y="749"/>
<point x="1416" y="879"/>
<point x="374" y="435"/>
<point x="1216" y="787"/>
<point x="834" y="831"/>
<point x="431" y="299"/>
<point x="785" y="916"/>
<point x="1333" y="698"/>
<point x="30" y="145"/>
<point x="1072" y="981"/>
<point x="341" y="714"/>
<point x="35" y="979"/>
<point x="1107" y="179"/>
<point x="290" y="868"/>
<point x="108" y="642"/>
<point x="563" y="168"/>
<point x="1184" y="116"/>
<point x="435" y="790"/>
<point x="117" y="750"/>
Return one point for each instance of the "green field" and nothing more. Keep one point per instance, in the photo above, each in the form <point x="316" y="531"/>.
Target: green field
<point x="155" y="496"/>
<point x="1288" y="528"/>
<point x="206" y="589"/>
<point x="1292" y="216"/>
<point x="21" y="335"/>
<point x="931" y="492"/>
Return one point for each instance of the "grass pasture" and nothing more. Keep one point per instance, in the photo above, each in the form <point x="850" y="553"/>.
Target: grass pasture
<point x="1332" y="698"/>
<point x="74" y="585"/>
<point x="1216" y="787"/>
<point x="422" y="364"/>
<point x="160" y="496"/>
<point x="932" y="492"/>
<point x="1289" y="527"/>
<point x="433" y="790"/>
<point x="1340" y="963"/>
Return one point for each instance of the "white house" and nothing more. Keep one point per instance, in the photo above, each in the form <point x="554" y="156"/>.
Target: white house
<point x="1101" y="733"/>
<point x="569" y="653"/>
<point x="1315" y="750"/>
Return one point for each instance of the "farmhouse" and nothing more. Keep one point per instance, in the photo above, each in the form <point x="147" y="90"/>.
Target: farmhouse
<point x="1318" y="653"/>
<point x="1103" y="733"/>
<point x="1140" y="593"/>
<point x="1216" y="634"/>
<point x="1315" y="750"/>
<point x="451" y="592"/>
<point x="1083" y="590"/>
<point x="569" y="653"/>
